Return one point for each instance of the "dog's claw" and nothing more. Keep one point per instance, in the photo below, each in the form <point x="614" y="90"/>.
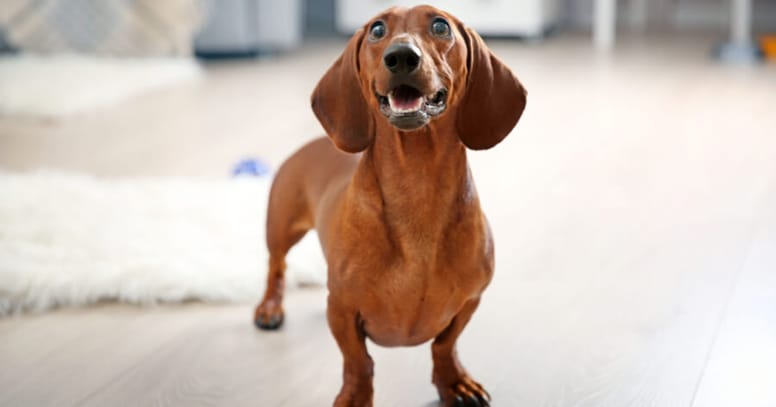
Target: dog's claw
<point x="466" y="393"/>
<point x="270" y="323"/>
<point x="471" y="399"/>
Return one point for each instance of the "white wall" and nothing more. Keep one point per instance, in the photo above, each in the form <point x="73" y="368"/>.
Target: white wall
<point x="679" y="14"/>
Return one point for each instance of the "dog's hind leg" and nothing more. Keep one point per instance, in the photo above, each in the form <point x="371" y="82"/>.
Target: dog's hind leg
<point x="288" y="219"/>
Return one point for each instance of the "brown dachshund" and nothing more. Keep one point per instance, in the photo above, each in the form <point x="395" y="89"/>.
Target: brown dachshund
<point x="409" y="251"/>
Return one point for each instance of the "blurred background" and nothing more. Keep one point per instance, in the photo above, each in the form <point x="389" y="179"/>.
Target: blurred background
<point x="632" y="206"/>
<point x="69" y="60"/>
<point x="65" y="62"/>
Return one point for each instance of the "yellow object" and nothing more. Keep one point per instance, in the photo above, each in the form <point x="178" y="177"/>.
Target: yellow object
<point x="768" y="44"/>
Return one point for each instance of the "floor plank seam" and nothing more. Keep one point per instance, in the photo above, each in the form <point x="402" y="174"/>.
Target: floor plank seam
<point x="723" y="313"/>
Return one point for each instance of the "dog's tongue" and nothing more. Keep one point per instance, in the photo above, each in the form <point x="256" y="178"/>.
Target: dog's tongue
<point x="405" y="99"/>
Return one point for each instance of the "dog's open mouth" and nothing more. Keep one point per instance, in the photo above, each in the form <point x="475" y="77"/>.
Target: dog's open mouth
<point x="408" y="109"/>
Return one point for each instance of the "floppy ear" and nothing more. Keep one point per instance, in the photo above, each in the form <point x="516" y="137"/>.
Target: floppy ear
<point x="493" y="99"/>
<point x="339" y="104"/>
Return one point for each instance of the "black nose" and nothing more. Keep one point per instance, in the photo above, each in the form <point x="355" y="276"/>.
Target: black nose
<point x="402" y="57"/>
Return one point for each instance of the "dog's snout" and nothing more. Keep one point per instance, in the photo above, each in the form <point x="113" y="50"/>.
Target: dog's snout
<point x="402" y="58"/>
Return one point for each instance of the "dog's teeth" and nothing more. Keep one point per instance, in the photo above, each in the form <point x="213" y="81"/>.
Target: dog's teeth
<point x="404" y="107"/>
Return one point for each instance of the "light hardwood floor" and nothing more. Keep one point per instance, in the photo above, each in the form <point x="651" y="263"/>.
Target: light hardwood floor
<point x="635" y="224"/>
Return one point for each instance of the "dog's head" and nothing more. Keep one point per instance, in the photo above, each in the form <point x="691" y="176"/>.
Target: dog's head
<point x="413" y="66"/>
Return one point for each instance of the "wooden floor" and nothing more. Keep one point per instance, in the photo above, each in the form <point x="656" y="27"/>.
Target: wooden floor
<point x="634" y="210"/>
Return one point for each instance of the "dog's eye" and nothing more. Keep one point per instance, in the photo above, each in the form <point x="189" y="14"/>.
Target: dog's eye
<point x="440" y="27"/>
<point x="377" y="31"/>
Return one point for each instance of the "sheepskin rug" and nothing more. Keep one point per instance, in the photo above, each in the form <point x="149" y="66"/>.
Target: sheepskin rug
<point x="68" y="239"/>
<point x="57" y="86"/>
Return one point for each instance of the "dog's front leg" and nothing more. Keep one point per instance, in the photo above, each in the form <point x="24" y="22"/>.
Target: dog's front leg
<point x="455" y="386"/>
<point x="358" y="368"/>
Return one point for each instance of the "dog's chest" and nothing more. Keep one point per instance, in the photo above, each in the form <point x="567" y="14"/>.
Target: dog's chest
<point x="413" y="302"/>
<point x="409" y="278"/>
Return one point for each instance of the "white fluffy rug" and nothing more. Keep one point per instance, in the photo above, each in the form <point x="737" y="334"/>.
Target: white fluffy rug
<point x="62" y="85"/>
<point x="73" y="239"/>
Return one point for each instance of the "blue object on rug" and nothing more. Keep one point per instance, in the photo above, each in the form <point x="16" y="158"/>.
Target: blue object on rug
<point x="253" y="167"/>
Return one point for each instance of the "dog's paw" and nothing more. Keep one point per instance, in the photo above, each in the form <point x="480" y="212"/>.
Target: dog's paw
<point x="464" y="393"/>
<point x="353" y="398"/>
<point x="268" y="316"/>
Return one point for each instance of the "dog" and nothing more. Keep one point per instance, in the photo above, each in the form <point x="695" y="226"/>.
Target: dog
<point x="390" y="193"/>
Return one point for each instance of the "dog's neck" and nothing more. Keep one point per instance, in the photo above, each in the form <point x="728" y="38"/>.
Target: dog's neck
<point x="422" y="180"/>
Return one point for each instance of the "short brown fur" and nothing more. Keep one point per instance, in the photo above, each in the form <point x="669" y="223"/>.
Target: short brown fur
<point x="409" y="251"/>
